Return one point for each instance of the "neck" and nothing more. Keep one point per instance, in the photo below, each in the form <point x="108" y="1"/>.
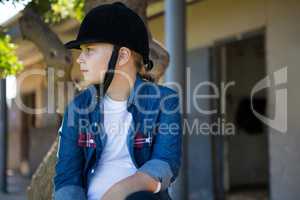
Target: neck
<point x="120" y="87"/>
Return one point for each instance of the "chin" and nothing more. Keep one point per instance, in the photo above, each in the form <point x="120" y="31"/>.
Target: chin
<point x="92" y="81"/>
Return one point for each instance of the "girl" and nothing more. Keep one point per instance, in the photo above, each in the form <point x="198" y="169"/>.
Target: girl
<point x="121" y="137"/>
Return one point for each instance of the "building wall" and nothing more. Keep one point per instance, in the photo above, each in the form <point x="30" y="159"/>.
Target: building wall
<point x="211" y="20"/>
<point x="200" y="171"/>
<point x="283" y="48"/>
<point x="207" y="22"/>
<point x="41" y="132"/>
<point x="14" y="147"/>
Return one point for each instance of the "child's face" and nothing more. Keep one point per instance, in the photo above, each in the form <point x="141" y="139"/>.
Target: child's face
<point x="93" y="61"/>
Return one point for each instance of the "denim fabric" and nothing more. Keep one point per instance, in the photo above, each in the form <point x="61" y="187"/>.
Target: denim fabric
<point x="154" y="138"/>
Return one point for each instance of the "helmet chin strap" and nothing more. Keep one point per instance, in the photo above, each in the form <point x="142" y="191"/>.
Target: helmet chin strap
<point x="109" y="74"/>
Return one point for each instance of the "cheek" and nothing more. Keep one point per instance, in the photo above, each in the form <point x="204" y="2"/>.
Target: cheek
<point x="97" y="66"/>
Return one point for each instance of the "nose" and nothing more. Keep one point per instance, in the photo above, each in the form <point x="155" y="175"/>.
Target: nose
<point x="79" y="60"/>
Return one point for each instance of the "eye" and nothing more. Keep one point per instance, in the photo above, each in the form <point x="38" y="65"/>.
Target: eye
<point x="87" y="50"/>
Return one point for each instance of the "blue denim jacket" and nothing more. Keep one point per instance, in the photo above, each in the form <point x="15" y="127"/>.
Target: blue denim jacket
<point x="156" y="122"/>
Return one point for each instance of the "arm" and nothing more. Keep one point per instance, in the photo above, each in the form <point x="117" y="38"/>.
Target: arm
<point x="68" y="178"/>
<point x="166" y="156"/>
<point x="137" y="182"/>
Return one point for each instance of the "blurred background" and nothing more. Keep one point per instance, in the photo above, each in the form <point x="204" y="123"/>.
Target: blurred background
<point x="239" y="58"/>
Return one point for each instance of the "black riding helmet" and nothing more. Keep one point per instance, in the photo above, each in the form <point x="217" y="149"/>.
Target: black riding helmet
<point x="118" y="25"/>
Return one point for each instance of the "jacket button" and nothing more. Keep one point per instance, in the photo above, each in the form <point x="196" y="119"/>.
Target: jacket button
<point x="92" y="171"/>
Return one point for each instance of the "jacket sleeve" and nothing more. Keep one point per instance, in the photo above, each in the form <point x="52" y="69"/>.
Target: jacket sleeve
<point x="69" y="166"/>
<point x="166" y="155"/>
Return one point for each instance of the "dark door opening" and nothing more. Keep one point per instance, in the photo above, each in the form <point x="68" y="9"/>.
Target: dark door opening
<point x="241" y="162"/>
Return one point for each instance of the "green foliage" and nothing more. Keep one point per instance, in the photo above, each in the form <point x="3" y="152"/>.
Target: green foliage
<point x="51" y="11"/>
<point x="54" y="11"/>
<point x="68" y="8"/>
<point x="9" y="63"/>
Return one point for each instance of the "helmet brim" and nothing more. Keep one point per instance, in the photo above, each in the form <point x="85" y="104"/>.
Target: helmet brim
<point x="75" y="44"/>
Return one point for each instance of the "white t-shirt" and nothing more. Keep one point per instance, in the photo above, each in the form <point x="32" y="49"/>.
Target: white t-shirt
<point x="115" y="163"/>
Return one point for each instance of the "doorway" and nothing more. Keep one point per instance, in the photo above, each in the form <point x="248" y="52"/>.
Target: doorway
<point x="241" y="162"/>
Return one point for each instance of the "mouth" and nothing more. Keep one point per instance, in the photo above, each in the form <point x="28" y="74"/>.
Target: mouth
<point x="83" y="70"/>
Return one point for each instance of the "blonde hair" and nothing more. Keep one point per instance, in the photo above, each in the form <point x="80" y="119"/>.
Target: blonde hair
<point x="138" y="60"/>
<point x="139" y="63"/>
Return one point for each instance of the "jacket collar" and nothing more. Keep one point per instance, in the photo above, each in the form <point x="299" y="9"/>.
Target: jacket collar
<point x="131" y="100"/>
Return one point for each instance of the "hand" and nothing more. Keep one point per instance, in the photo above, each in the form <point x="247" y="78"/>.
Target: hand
<point x="137" y="182"/>
<point x="116" y="192"/>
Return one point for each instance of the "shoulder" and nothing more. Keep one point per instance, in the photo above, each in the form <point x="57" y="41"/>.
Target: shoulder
<point x="160" y="95"/>
<point x="155" y="88"/>
<point x="166" y="91"/>
<point x="82" y="99"/>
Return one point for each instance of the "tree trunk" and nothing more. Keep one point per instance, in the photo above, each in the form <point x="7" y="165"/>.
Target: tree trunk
<point x="57" y="57"/>
<point x="35" y="30"/>
<point x="41" y="186"/>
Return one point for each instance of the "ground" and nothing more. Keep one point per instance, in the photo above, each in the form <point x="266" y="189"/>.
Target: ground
<point x="17" y="185"/>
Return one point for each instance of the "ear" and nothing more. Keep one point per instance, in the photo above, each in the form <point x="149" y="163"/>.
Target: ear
<point x="124" y="56"/>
